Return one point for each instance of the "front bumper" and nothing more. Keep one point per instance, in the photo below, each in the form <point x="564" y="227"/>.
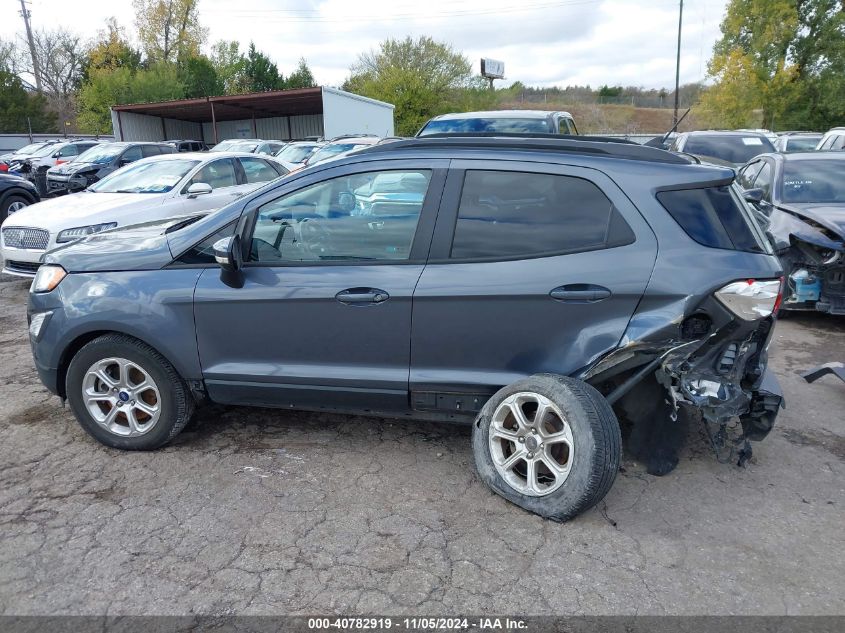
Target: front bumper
<point x="22" y="262"/>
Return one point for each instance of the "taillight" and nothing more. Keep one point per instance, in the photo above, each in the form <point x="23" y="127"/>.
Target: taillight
<point x="4" y="167"/>
<point x="59" y="161"/>
<point x="752" y="299"/>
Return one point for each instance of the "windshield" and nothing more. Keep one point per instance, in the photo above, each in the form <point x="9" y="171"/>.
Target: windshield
<point x="333" y="150"/>
<point x="731" y="148"/>
<point x="234" y="146"/>
<point x="32" y="148"/>
<point x="296" y="153"/>
<point x="100" y="154"/>
<point x="802" y="143"/>
<point x="814" y="181"/>
<point x="156" y="176"/>
<point x="505" y="125"/>
<point x="46" y="150"/>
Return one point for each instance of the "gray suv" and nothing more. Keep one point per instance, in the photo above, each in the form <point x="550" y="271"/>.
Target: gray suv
<point x="546" y="291"/>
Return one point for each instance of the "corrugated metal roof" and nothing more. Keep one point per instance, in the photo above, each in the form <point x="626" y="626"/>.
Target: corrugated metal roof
<point x="234" y="107"/>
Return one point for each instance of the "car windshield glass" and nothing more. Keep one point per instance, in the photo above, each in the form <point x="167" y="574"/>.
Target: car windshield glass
<point x="100" y="154"/>
<point x="332" y="150"/>
<point x="45" y="151"/>
<point x="234" y="146"/>
<point x="814" y="181"/>
<point x="731" y="148"/>
<point x="157" y="176"/>
<point x="508" y="125"/>
<point x="802" y="143"/>
<point x="295" y="153"/>
<point x="30" y="149"/>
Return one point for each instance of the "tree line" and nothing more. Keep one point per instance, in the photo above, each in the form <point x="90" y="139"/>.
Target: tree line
<point x="778" y="64"/>
<point x="80" y="80"/>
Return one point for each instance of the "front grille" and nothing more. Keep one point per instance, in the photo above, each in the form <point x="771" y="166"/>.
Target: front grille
<point x="29" y="268"/>
<point x="29" y="239"/>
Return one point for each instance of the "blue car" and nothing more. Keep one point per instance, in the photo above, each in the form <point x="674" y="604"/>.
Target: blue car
<point x="539" y="289"/>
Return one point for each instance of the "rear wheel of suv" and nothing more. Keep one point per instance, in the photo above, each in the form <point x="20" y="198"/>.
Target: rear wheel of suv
<point x="12" y="204"/>
<point x="550" y="444"/>
<point x="127" y="395"/>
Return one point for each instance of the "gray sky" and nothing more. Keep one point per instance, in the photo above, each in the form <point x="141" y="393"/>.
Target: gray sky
<point x="542" y="42"/>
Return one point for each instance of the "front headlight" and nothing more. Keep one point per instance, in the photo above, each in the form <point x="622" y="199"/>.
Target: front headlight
<point x="77" y="233"/>
<point x="47" y="278"/>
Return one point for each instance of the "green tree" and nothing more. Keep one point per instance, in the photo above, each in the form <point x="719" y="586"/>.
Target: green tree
<point x="199" y="77"/>
<point x="229" y="64"/>
<point x="260" y="73"/>
<point x="421" y="77"/>
<point x="301" y="77"/>
<point x="108" y="87"/>
<point x="169" y="30"/>
<point x="782" y="59"/>
<point x="19" y="109"/>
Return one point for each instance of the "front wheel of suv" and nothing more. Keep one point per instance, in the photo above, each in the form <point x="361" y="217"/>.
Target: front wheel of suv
<point x="127" y="395"/>
<point x="549" y="444"/>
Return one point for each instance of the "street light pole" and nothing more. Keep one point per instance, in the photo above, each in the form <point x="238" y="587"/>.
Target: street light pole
<point x="678" y="63"/>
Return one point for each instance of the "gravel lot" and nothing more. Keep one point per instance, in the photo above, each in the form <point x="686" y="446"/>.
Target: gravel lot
<point x="262" y="511"/>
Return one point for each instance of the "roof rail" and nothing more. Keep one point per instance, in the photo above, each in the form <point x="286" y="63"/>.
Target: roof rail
<point x="595" y="145"/>
<point x="343" y="136"/>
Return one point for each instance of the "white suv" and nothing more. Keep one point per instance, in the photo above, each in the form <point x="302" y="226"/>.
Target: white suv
<point x="834" y="139"/>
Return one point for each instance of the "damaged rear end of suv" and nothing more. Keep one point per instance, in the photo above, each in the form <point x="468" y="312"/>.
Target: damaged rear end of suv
<point x="699" y="354"/>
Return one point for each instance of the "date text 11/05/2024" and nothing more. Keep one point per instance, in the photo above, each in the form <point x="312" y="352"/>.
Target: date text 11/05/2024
<point x="423" y="623"/>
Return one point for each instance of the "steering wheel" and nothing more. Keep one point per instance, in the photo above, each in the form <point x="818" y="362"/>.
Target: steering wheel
<point x="312" y="236"/>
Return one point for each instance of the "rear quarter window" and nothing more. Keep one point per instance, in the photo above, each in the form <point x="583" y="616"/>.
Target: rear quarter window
<point x="508" y="215"/>
<point x="712" y="217"/>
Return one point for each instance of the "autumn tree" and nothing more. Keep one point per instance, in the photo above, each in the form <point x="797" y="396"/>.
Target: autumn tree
<point x="421" y="77"/>
<point x="111" y="50"/>
<point x="782" y="59"/>
<point x="169" y="30"/>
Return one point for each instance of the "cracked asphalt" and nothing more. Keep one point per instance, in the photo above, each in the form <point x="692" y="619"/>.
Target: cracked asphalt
<point x="276" y="512"/>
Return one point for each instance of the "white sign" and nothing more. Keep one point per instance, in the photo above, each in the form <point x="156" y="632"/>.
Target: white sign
<point x="492" y="68"/>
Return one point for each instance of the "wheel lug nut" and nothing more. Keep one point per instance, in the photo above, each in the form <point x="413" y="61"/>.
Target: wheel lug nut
<point x="522" y="440"/>
<point x="132" y="402"/>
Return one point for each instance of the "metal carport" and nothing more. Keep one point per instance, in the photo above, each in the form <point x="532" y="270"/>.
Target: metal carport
<point x="279" y="114"/>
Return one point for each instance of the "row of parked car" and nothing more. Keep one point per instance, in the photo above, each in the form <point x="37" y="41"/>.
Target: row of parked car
<point x="541" y="286"/>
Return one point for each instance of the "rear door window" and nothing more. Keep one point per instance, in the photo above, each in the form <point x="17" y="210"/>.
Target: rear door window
<point x="506" y="215"/>
<point x="712" y="216"/>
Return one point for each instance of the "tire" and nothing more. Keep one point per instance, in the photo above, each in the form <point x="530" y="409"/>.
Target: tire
<point x="586" y="467"/>
<point x="11" y="201"/>
<point x="117" y="391"/>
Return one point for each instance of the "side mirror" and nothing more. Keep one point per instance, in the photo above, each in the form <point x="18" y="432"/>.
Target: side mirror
<point x="199" y="189"/>
<point x="227" y="253"/>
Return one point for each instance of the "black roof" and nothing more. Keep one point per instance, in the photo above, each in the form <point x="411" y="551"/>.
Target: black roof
<point x="593" y="145"/>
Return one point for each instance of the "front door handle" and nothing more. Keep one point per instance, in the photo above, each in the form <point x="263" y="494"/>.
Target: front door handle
<point x="580" y="293"/>
<point x="362" y="296"/>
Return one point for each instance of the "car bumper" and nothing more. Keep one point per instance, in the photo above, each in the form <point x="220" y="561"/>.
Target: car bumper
<point x="22" y="262"/>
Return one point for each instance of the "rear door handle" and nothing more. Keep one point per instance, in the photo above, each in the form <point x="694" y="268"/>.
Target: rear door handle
<point x="359" y="296"/>
<point x="580" y="293"/>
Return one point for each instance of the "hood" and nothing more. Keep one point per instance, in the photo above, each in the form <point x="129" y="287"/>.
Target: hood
<point x="85" y="207"/>
<point x="830" y="215"/>
<point x="137" y="247"/>
<point x="73" y="167"/>
<point x="11" y="179"/>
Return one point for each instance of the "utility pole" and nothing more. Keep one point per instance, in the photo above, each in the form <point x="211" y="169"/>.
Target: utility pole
<point x="36" y="69"/>
<point x="678" y="63"/>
